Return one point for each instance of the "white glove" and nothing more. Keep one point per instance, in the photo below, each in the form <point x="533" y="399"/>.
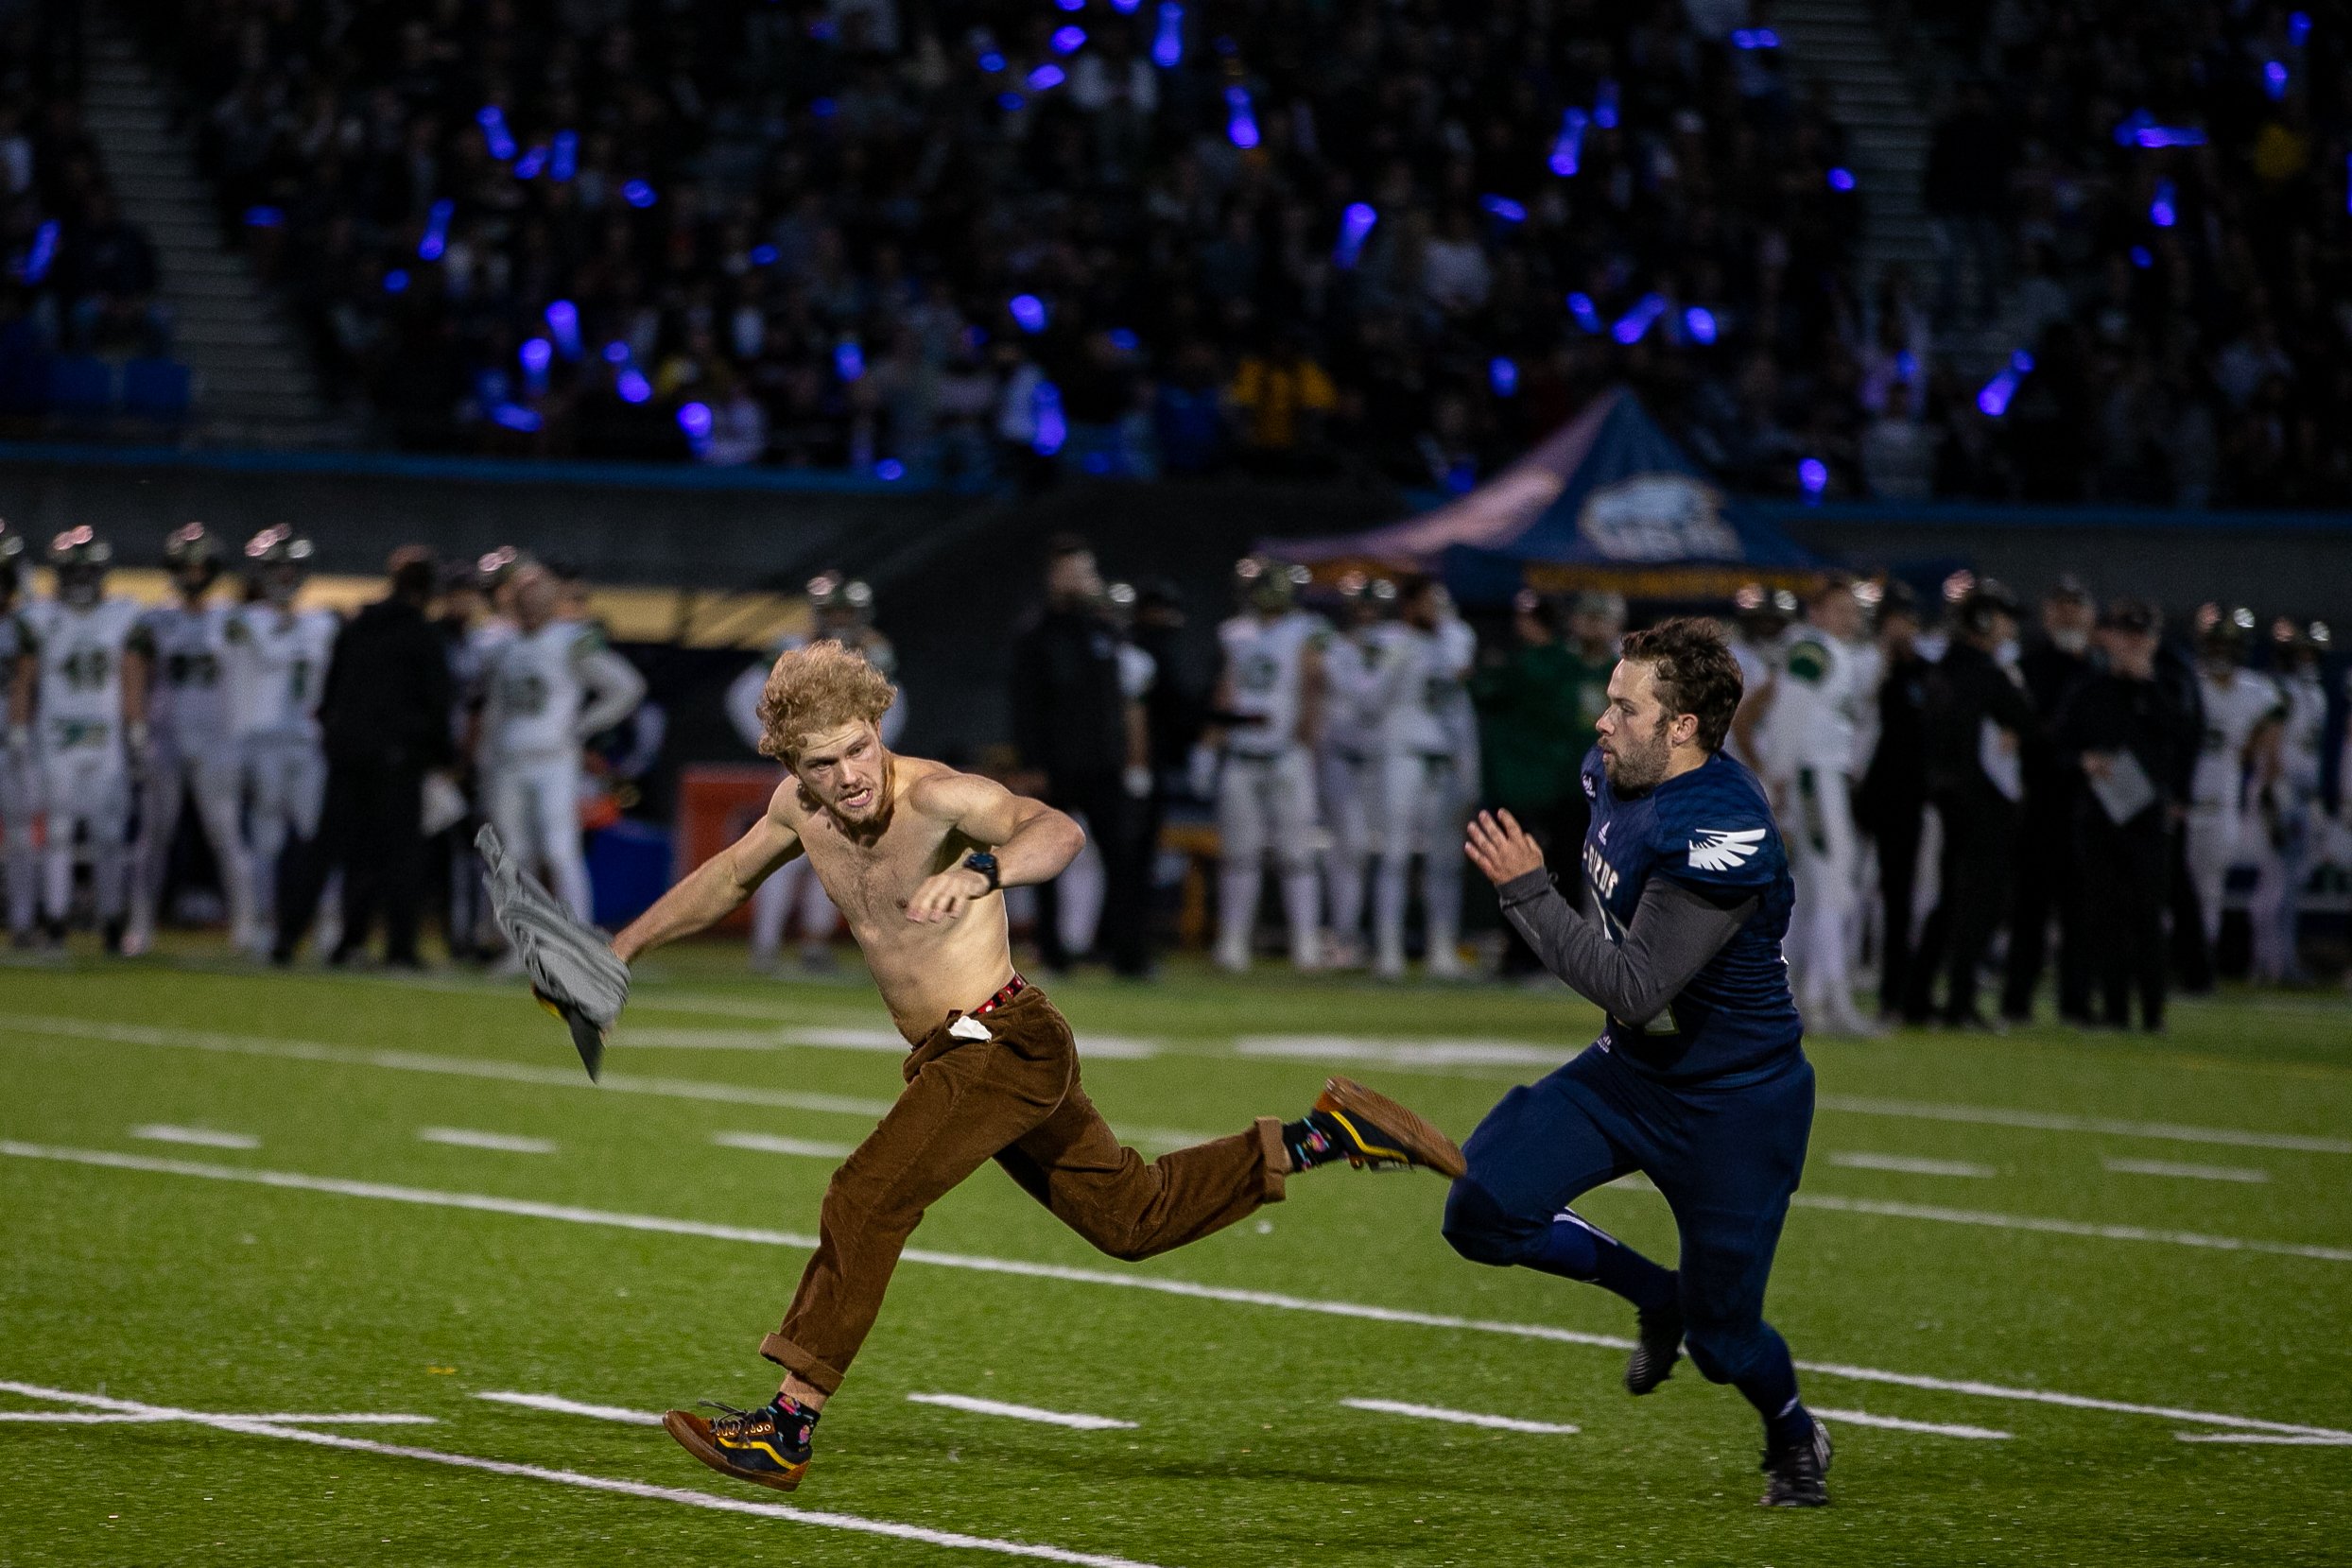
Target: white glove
<point x="1138" y="782"/>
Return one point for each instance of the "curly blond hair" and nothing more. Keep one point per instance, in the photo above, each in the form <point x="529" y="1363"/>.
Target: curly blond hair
<point x="815" y="688"/>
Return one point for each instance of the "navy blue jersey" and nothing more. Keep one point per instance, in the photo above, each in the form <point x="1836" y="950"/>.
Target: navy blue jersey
<point x="1710" y="829"/>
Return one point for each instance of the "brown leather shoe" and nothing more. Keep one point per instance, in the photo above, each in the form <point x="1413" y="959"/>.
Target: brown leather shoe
<point x="745" y="1445"/>
<point x="1381" y="1132"/>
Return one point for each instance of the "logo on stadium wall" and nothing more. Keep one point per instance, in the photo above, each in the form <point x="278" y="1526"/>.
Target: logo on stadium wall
<point x="1658" y="517"/>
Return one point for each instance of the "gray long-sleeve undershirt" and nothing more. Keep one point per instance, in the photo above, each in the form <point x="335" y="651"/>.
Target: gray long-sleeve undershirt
<point x="1675" y="930"/>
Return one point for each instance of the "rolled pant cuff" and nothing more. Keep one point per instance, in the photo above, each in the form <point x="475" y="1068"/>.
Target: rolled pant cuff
<point x="1274" y="1159"/>
<point x="808" y="1368"/>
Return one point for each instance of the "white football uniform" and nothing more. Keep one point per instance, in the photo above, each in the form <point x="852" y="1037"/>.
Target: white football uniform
<point x="276" y="670"/>
<point x="79" y="737"/>
<point x="2287" y="842"/>
<point x="793" y="891"/>
<point x="1266" y="791"/>
<point x="2235" y="703"/>
<point x="20" y="800"/>
<point x="1418" y="805"/>
<point x="193" y="752"/>
<point x="1347" y="768"/>
<point x="543" y="694"/>
<point x="1809" y="739"/>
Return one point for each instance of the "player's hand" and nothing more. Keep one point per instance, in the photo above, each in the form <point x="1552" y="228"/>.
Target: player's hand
<point x="944" y="896"/>
<point x="1500" y="847"/>
<point x="2099" y="764"/>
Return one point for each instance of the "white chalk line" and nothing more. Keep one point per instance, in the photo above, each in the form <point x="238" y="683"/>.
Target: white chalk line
<point x="1066" y="1274"/>
<point x="1070" y="1418"/>
<point x="885" y="1042"/>
<point x="853" y="1524"/>
<point x="503" y="1143"/>
<point x="2246" y="1174"/>
<point x="1911" y="1164"/>
<point x="1940" y="1429"/>
<point x="768" y="1142"/>
<point x="130" y="1418"/>
<point x="573" y="1407"/>
<point x="2050" y="1120"/>
<point x="699" y="1088"/>
<point x="2285" y="1439"/>
<point x="199" y="1137"/>
<point x="1460" y="1418"/>
<point x="1400" y="1052"/>
<point x="2066" y="1227"/>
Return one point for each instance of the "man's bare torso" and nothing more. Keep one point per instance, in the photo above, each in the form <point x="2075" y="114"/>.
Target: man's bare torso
<point x="925" y="972"/>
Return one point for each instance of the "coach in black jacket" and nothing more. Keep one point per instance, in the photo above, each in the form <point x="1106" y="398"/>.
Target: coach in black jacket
<point x="386" y="713"/>
<point x="1070" y="722"/>
<point x="1977" y="719"/>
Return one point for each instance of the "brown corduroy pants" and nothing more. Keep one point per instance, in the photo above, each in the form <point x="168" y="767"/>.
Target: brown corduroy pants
<point x="1013" y="1098"/>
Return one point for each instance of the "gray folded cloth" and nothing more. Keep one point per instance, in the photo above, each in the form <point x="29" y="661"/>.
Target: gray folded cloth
<point x="571" y="965"/>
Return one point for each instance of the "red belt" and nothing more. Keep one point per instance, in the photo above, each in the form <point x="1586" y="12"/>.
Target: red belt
<point x="1013" y="988"/>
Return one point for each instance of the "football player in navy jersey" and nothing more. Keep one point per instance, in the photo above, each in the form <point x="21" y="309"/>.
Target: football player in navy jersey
<point x="1698" y="1080"/>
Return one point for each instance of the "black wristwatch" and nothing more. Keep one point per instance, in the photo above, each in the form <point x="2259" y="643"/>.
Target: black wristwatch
<point x="984" y="863"/>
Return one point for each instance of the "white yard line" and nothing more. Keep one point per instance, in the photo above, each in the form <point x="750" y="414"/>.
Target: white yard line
<point x="2050" y="1120"/>
<point x="573" y="1407"/>
<point x="849" y="1522"/>
<point x="200" y="1137"/>
<point x="1024" y="1412"/>
<point x="1186" y="1288"/>
<point x="1460" y="1418"/>
<point x="765" y="1143"/>
<point x="736" y="1094"/>
<point x="1911" y="1164"/>
<point x="503" y="1143"/>
<point x="1401" y="1052"/>
<point x="1863" y="1418"/>
<point x="108" y="1418"/>
<point x="2284" y="1439"/>
<point x="2066" y="1227"/>
<point x="2194" y="1173"/>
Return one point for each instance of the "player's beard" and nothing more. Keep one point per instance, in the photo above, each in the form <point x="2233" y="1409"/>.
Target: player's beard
<point x="1637" y="763"/>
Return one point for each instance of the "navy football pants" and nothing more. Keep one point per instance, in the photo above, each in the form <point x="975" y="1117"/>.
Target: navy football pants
<point x="1726" y="1158"/>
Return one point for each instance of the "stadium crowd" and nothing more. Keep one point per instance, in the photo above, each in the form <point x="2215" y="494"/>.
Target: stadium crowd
<point x="1942" y="771"/>
<point x="976" y="238"/>
<point x="78" y="278"/>
<point x="2151" y="205"/>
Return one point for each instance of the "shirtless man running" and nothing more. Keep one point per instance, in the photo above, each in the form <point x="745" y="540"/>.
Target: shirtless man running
<point x="915" y="853"/>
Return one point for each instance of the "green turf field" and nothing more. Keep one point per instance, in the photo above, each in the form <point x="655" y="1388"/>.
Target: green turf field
<point x="2106" y="1250"/>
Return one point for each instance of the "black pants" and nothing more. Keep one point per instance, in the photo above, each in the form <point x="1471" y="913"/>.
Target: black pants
<point x="1899" y="826"/>
<point x="371" y="828"/>
<point x="1979" y="871"/>
<point x="1112" y="819"/>
<point x="2047" y="886"/>
<point x="2192" y="957"/>
<point x="2124" y="872"/>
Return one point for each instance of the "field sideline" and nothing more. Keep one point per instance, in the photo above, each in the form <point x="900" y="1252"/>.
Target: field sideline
<point x="2062" y="1298"/>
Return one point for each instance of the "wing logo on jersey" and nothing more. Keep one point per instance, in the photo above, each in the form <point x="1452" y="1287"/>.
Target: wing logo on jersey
<point x="1724" y="849"/>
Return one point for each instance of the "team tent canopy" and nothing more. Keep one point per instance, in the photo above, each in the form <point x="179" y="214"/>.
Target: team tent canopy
<point x="1607" y="501"/>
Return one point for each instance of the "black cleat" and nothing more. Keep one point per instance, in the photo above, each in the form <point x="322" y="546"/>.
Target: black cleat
<point x="1798" y="1475"/>
<point x="1376" y="1132"/>
<point x="746" y="1445"/>
<point x="1657" y="1345"/>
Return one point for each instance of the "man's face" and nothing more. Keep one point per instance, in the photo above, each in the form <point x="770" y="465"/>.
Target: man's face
<point x="280" y="584"/>
<point x="846" y="771"/>
<point x="1839" y="615"/>
<point x="2067" y="623"/>
<point x="534" y="599"/>
<point x="2132" y="654"/>
<point x="193" y="581"/>
<point x="81" y="586"/>
<point x="1074" y="581"/>
<point x="1420" y="610"/>
<point x="1593" y="631"/>
<point x="1634" y="745"/>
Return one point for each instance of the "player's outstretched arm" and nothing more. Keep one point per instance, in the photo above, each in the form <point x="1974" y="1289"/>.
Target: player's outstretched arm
<point x="1032" y="842"/>
<point x="716" y="888"/>
<point x="1674" y="931"/>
